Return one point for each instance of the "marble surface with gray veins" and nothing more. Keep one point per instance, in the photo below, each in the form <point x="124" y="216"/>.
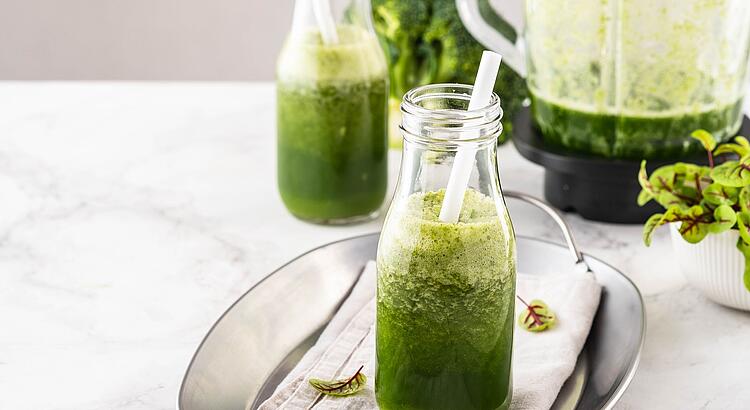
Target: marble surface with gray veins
<point x="133" y="214"/>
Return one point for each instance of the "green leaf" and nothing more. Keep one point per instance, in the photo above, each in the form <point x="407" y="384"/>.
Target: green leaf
<point x="733" y="173"/>
<point x="743" y="223"/>
<point x="662" y="178"/>
<point x="536" y="317"/>
<point x="693" y="232"/>
<point x="344" y="387"/>
<point x="647" y="190"/>
<point x="705" y="137"/>
<point x="694" y="225"/>
<point x="690" y="170"/>
<point x="668" y="199"/>
<point x="650" y="226"/>
<point x="744" y="199"/>
<point x="744" y="247"/>
<point x="684" y="182"/>
<point x="643" y="178"/>
<point x="717" y="194"/>
<point x="678" y="184"/>
<point x="730" y="148"/>
<point x="643" y="197"/>
<point x="689" y="178"/>
<point x="724" y="219"/>
<point x="740" y="140"/>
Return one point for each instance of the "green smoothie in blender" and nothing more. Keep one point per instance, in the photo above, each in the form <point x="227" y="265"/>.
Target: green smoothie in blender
<point x="331" y="125"/>
<point x="633" y="78"/>
<point x="636" y="135"/>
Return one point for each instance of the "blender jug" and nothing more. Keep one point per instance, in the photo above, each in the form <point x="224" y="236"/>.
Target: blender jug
<point x="626" y="79"/>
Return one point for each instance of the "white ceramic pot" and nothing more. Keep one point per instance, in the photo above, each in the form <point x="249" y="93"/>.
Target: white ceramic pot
<point x="714" y="266"/>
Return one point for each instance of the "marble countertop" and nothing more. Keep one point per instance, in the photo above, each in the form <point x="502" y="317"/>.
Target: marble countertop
<point x="133" y="214"/>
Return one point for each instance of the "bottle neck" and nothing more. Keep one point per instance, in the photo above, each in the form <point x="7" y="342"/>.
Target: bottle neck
<point x="436" y="115"/>
<point x="436" y="125"/>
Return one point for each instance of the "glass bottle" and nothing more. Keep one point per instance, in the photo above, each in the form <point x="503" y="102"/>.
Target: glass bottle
<point x="331" y="116"/>
<point x="445" y="291"/>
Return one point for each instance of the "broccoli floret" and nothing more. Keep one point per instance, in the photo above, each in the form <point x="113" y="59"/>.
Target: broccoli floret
<point x="426" y="42"/>
<point x="458" y="53"/>
<point x="400" y="25"/>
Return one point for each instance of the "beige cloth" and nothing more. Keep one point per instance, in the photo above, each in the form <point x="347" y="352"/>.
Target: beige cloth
<point x="541" y="361"/>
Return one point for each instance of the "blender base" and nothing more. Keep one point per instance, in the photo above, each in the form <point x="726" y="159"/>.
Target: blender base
<point x="597" y="188"/>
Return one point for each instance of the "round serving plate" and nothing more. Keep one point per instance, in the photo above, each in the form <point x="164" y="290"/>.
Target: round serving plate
<point x="260" y="338"/>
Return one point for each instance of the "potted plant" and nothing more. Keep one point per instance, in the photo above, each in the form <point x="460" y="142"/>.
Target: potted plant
<point x="708" y="211"/>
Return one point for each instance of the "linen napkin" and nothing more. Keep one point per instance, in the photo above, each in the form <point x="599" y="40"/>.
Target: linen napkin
<point x="541" y="361"/>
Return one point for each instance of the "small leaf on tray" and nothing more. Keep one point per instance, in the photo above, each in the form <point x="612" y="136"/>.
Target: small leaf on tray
<point x="536" y="317"/>
<point x="343" y="387"/>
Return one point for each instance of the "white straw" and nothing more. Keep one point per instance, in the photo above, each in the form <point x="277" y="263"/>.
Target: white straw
<point x="326" y="24"/>
<point x="464" y="162"/>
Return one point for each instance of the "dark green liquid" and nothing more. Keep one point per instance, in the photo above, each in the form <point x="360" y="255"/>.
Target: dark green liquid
<point x="632" y="137"/>
<point x="332" y="149"/>
<point x="445" y="308"/>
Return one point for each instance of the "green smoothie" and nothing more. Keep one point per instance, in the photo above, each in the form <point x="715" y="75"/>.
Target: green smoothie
<point x="632" y="79"/>
<point x="331" y="126"/>
<point x="445" y="301"/>
<point x="631" y="135"/>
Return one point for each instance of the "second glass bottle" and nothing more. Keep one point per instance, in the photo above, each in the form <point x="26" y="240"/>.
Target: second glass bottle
<point x="331" y="116"/>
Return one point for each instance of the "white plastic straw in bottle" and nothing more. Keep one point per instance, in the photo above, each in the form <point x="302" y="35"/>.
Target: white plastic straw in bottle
<point x="326" y="24"/>
<point x="464" y="162"/>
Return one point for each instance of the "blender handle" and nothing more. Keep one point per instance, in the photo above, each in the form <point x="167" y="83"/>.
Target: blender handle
<point x="470" y="12"/>
<point x="558" y="218"/>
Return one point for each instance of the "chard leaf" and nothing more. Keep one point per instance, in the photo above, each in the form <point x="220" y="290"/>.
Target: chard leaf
<point x="343" y="387"/>
<point x="743" y="142"/>
<point x="689" y="181"/>
<point x="744" y="247"/>
<point x="733" y="173"/>
<point x="678" y="184"/>
<point x="662" y="178"/>
<point x="717" y="194"/>
<point x="650" y="226"/>
<point x="536" y="317"/>
<point x="695" y="221"/>
<point x="743" y="223"/>
<point x="744" y="199"/>
<point x="643" y="197"/>
<point x="693" y="232"/>
<point x="724" y="219"/>
<point x="690" y="171"/>
<point x="668" y="199"/>
<point x="706" y="139"/>
<point x="643" y="178"/>
<point x="730" y="148"/>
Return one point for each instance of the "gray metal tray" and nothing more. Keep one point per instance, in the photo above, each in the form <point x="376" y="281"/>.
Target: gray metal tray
<point x="260" y="338"/>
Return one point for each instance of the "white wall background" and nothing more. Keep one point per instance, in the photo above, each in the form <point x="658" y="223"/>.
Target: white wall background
<point x="141" y="39"/>
<point x="148" y="39"/>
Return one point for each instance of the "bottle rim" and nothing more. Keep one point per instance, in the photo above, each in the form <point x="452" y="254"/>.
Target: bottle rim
<point x="450" y="126"/>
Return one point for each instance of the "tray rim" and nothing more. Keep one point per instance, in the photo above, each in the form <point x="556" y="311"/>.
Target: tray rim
<point x="622" y="386"/>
